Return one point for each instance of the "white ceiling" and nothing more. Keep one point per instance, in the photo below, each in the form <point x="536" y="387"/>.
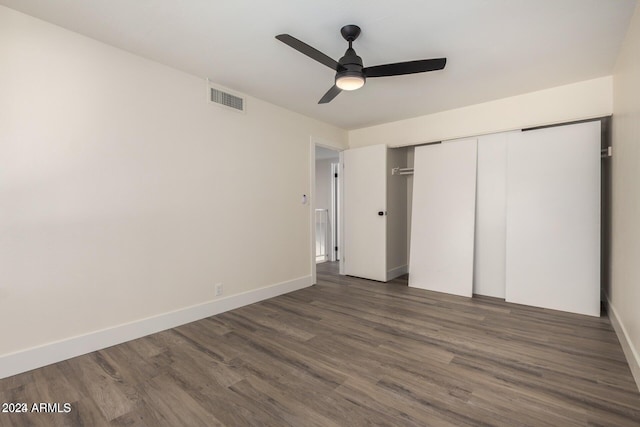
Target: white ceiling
<point x="495" y="48"/>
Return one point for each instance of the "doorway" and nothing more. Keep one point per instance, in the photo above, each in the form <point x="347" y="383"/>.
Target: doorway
<point x="325" y="205"/>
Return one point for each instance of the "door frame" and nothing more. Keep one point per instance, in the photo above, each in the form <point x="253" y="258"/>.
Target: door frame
<point x="313" y="143"/>
<point x="336" y="194"/>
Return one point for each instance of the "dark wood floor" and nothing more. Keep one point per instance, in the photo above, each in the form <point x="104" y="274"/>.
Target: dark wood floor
<point x="349" y="352"/>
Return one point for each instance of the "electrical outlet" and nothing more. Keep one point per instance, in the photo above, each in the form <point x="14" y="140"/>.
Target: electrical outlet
<point x="218" y="289"/>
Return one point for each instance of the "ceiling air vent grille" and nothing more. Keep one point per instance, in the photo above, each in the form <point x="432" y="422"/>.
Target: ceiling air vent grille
<point x="226" y="99"/>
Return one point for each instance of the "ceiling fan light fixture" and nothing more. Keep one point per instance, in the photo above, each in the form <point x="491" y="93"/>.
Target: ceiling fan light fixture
<point x="350" y="73"/>
<point x="350" y="81"/>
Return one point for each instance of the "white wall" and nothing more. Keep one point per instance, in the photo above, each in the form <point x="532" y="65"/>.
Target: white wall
<point x="588" y="99"/>
<point x="124" y="195"/>
<point x="625" y="275"/>
<point x="323" y="183"/>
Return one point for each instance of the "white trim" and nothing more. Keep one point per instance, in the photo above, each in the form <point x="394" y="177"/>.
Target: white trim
<point x="630" y="352"/>
<point x="397" y="272"/>
<point x="36" y="357"/>
<point x="335" y="208"/>
<point x="312" y="209"/>
<point x="341" y="242"/>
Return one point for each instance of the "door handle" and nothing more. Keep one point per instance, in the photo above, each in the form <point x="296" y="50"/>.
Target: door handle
<point x="381" y="213"/>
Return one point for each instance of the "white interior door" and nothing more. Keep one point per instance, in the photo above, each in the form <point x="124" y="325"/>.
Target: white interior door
<point x="365" y="182"/>
<point x="553" y="218"/>
<point x="443" y="217"/>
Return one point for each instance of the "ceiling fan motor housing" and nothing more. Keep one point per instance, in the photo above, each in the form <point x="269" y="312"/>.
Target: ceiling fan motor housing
<point x="352" y="65"/>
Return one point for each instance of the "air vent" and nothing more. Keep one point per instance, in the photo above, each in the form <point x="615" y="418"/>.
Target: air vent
<point x="226" y="99"/>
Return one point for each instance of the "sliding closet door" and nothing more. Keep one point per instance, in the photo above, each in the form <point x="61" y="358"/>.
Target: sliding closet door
<point x="553" y="218"/>
<point x="491" y="215"/>
<point x="443" y="217"/>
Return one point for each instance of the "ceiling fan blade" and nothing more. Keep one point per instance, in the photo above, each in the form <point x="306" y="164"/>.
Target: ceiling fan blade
<point x="400" y="68"/>
<point x="311" y="52"/>
<point x="331" y="93"/>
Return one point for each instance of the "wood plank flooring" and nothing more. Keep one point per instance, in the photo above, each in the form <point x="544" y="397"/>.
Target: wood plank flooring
<point x="348" y="352"/>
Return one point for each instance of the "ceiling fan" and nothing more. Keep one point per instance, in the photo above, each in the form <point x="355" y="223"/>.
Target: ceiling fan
<point x="350" y="74"/>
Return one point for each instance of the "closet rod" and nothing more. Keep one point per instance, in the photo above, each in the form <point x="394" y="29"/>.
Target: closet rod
<point x="402" y="171"/>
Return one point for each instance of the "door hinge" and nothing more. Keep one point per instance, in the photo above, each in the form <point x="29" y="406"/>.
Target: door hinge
<point x="336" y="249"/>
<point x="336" y="175"/>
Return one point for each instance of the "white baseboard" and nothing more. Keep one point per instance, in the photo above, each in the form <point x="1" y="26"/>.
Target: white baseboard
<point x="397" y="272"/>
<point x="630" y="352"/>
<point x="36" y="357"/>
